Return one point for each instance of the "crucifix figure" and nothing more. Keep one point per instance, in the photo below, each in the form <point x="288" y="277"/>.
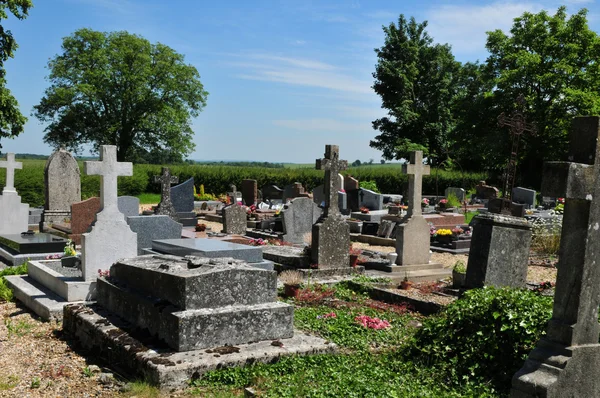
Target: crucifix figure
<point x="518" y="125"/>
<point x="332" y="165"/>
<point x="10" y="165"/>
<point x="108" y="169"/>
<point x="165" y="207"/>
<point x="415" y="170"/>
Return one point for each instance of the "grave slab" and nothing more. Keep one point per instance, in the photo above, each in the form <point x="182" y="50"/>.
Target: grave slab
<point x="150" y="228"/>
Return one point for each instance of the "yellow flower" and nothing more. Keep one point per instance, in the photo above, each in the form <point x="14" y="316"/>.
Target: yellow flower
<point x="444" y="232"/>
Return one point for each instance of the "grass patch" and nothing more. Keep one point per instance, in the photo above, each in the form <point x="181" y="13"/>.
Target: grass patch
<point x="8" y="382"/>
<point x="141" y="389"/>
<point x="18" y="328"/>
<point x="469" y="216"/>
<point x="5" y="293"/>
<point x="149" y="198"/>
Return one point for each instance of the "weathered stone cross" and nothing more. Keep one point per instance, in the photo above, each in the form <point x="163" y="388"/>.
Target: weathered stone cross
<point x="332" y="165"/>
<point x="165" y="180"/>
<point x="415" y="170"/>
<point x="10" y="165"/>
<point x="108" y="169"/>
<point x="572" y="338"/>
<point x="233" y="194"/>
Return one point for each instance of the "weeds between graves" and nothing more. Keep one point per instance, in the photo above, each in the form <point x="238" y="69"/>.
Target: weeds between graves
<point x="5" y="292"/>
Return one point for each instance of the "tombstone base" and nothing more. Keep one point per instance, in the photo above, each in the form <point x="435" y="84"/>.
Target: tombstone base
<point x="556" y="371"/>
<point x="499" y="253"/>
<point x="330" y="246"/>
<point x="56" y="216"/>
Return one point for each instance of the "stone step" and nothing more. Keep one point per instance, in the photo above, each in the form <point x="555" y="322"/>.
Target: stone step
<point x="427" y="275"/>
<point x="395" y="269"/>
<point x="36" y="297"/>
<point x="68" y="288"/>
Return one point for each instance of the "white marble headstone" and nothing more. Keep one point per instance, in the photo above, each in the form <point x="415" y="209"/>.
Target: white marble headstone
<point x="14" y="215"/>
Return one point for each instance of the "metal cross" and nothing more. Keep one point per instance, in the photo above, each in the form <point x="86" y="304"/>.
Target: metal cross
<point x="518" y="125"/>
<point x="415" y="170"/>
<point x="332" y="165"/>
<point x="108" y="169"/>
<point x="10" y="165"/>
<point x="166" y="180"/>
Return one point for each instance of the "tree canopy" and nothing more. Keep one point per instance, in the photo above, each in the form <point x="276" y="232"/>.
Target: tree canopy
<point x="117" y="88"/>
<point x="549" y="59"/>
<point x="11" y="119"/>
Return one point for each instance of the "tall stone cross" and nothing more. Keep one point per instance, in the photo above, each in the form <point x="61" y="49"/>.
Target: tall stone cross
<point x="108" y="169"/>
<point x="166" y="180"/>
<point x="332" y="165"/>
<point x="415" y="170"/>
<point x="573" y="330"/>
<point x="518" y="125"/>
<point x="10" y="165"/>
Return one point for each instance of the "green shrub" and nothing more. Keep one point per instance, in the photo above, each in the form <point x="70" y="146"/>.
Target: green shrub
<point x="370" y="185"/>
<point x="453" y="201"/>
<point x="485" y="335"/>
<point x="5" y="292"/>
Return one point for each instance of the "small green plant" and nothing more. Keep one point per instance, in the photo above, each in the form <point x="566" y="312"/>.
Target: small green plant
<point x="545" y="238"/>
<point x="35" y="382"/>
<point x="460" y="267"/>
<point x="8" y="382"/>
<point x="141" y="389"/>
<point x="18" y="328"/>
<point x="370" y="185"/>
<point x="453" y="201"/>
<point x="87" y="372"/>
<point x="69" y="249"/>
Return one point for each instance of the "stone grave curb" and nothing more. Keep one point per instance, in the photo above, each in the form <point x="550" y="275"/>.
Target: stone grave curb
<point x="106" y="334"/>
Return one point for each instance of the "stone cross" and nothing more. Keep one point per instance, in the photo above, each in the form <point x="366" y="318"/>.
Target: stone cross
<point x="165" y="180"/>
<point x="108" y="169"/>
<point x="10" y="165"/>
<point x="415" y="170"/>
<point x="574" y="323"/>
<point x="233" y="194"/>
<point x="332" y="165"/>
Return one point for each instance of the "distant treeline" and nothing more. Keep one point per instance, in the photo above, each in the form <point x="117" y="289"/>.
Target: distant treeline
<point x="267" y="165"/>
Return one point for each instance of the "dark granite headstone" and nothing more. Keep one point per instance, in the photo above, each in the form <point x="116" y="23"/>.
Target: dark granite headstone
<point x="182" y="196"/>
<point x="83" y="214"/>
<point x="150" y="228"/>
<point x="370" y="228"/>
<point x="271" y="192"/>
<point x="32" y="244"/>
<point x="298" y="219"/>
<point x="369" y="199"/>
<point x="129" y="205"/>
<point x="249" y="192"/>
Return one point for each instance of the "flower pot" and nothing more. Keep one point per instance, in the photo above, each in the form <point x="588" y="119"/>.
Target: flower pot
<point x="444" y="239"/>
<point x="354" y="260"/>
<point x="291" y="290"/>
<point x="392" y="257"/>
<point x="70" y="262"/>
<point x="458" y="279"/>
<point x="405" y="285"/>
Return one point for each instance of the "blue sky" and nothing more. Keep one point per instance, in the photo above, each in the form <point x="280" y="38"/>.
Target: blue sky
<point x="284" y="77"/>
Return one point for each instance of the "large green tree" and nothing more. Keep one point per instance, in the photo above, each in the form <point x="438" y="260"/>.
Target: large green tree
<point x="117" y="88"/>
<point x="552" y="60"/>
<point x="11" y="119"/>
<point x="417" y="81"/>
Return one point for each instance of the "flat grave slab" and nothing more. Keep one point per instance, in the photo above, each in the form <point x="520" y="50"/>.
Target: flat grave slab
<point x="32" y="244"/>
<point x="209" y="248"/>
<point x="112" y="339"/>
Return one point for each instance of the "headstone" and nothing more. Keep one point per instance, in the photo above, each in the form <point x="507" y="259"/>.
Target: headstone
<point x="271" y="192"/>
<point x="234" y="196"/>
<point x="412" y="236"/>
<point x="369" y="199"/>
<point x="350" y="183"/>
<point x="249" y="192"/>
<point x="331" y="235"/>
<point x="385" y="228"/>
<point x="111" y="238"/>
<point x="566" y="362"/>
<point x="484" y="191"/>
<point x="295" y="190"/>
<point x="458" y="192"/>
<point x="319" y="198"/>
<point x="524" y="196"/>
<point x="14" y="215"/>
<point x="165" y="207"/>
<point x="151" y="228"/>
<point x="83" y="215"/>
<point x="499" y="253"/>
<point x="182" y="197"/>
<point x="234" y="219"/>
<point x="63" y="186"/>
<point x="370" y="228"/>
<point x="35" y="215"/>
<point x="129" y="206"/>
<point x="299" y="217"/>
<point x="208" y="302"/>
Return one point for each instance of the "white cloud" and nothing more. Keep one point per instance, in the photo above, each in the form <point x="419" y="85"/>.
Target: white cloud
<point x="324" y="125"/>
<point x="301" y="72"/>
<point x="465" y="27"/>
<point x="578" y="1"/>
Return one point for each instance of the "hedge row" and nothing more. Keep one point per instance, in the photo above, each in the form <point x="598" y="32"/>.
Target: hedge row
<point x="216" y="179"/>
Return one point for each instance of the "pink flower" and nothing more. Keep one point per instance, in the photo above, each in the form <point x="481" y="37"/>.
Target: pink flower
<point x="330" y="315"/>
<point x="372" y="323"/>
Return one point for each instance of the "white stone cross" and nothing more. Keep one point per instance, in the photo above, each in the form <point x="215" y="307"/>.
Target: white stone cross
<point x="108" y="169"/>
<point x="415" y="170"/>
<point x="10" y="165"/>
